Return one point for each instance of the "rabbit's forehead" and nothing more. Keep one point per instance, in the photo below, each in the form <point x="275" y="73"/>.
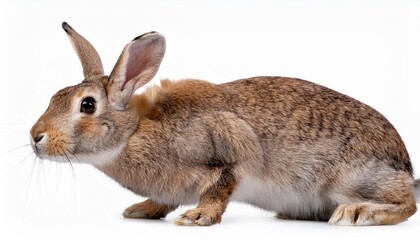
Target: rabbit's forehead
<point x="84" y="90"/>
<point x="61" y="101"/>
<point x="64" y="93"/>
<point x="81" y="90"/>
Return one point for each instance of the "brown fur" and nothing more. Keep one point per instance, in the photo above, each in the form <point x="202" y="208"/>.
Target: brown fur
<point x="192" y="141"/>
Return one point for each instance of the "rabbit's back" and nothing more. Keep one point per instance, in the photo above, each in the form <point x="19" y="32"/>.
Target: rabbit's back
<point x="297" y="120"/>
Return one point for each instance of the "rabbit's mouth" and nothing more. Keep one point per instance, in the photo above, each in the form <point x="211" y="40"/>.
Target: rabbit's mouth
<point x="37" y="143"/>
<point x="52" y="145"/>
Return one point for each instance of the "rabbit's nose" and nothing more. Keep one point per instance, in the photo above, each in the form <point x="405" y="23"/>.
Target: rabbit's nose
<point x="39" y="138"/>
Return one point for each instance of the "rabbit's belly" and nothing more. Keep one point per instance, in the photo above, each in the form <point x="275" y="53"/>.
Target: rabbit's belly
<point x="274" y="197"/>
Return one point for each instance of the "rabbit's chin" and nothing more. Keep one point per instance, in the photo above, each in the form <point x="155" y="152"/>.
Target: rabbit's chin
<point x="97" y="159"/>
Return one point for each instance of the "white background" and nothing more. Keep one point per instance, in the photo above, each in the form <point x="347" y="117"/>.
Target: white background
<point x="369" y="50"/>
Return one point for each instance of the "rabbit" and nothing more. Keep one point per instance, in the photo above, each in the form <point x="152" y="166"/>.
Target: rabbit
<point x="285" y="145"/>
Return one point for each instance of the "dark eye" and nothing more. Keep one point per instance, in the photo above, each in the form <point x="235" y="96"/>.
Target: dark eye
<point x="88" y="105"/>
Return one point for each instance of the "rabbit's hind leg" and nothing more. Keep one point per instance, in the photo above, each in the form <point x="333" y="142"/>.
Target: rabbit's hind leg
<point x="364" y="214"/>
<point x="374" y="196"/>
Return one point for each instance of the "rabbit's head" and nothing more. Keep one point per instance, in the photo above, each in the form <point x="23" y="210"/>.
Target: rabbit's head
<point x="90" y="122"/>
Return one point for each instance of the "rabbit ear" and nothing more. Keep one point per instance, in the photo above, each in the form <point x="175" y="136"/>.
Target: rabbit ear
<point x="91" y="62"/>
<point x="136" y="66"/>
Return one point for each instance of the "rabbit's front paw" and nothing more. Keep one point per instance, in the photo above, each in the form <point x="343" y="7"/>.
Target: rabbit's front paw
<point x="148" y="210"/>
<point x="199" y="217"/>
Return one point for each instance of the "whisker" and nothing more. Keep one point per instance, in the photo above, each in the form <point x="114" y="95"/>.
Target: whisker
<point x="15" y="148"/>
<point x="67" y="151"/>
<point x="37" y="171"/>
<point x="33" y="168"/>
<point x="45" y="178"/>
<point x="68" y="160"/>
<point x="29" y="180"/>
<point x="74" y="180"/>
<point x="59" y="173"/>
<point x="14" y="133"/>
<point x="74" y="155"/>
<point x="14" y="169"/>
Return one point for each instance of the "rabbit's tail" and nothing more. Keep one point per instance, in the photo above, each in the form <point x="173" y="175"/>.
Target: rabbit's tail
<point x="417" y="190"/>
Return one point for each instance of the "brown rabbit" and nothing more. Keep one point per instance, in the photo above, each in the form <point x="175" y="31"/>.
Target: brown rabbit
<point x="281" y="144"/>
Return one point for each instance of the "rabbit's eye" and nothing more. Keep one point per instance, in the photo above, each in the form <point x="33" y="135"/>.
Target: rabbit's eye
<point x="88" y="105"/>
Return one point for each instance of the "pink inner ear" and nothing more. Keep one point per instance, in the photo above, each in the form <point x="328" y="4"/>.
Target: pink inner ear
<point x="137" y="61"/>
